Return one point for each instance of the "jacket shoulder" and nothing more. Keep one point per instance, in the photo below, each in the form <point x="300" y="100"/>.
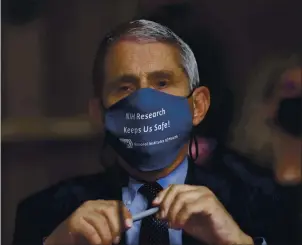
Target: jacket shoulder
<point x="230" y="165"/>
<point x="74" y="188"/>
<point x="38" y="214"/>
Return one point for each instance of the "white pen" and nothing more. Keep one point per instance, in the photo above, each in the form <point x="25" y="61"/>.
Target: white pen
<point x="144" y="214"/>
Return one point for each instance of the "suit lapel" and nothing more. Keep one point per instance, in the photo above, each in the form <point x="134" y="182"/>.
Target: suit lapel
<point x="116" y="180"/>
<point x="120" y="180"/>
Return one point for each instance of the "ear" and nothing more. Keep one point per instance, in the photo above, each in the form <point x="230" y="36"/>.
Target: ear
<point x="201" y="104"/>
<point x="95" y="112"/>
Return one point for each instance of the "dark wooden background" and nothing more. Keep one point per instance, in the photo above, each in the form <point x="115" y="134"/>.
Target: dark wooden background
<point x="46" y="73"/>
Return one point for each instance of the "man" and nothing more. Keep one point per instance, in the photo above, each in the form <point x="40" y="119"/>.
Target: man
<point x="147" y="87"/>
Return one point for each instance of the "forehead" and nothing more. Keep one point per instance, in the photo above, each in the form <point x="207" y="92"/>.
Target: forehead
<point x="135" y="57"/>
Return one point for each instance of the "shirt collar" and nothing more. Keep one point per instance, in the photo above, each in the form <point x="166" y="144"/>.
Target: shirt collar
<point x="178" y="177"/>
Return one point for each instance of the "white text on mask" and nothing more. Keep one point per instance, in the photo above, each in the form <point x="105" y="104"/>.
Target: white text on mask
<point x="139" y="116"/>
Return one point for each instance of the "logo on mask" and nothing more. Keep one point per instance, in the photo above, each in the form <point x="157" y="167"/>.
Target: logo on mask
<point x="127" y="142"/>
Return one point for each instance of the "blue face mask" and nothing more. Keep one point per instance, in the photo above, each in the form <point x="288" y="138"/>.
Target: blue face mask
<point x="149" y="128"/>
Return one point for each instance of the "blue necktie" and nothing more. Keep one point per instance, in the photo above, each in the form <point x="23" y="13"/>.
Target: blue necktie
<point x="153" y="231"/>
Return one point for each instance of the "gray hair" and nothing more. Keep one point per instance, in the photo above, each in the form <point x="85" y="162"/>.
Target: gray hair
<point x="146" y="30"/>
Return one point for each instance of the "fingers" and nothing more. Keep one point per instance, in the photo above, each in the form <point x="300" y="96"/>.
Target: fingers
<point x="127" y="217"/>
<point x="167" y="196"/>
<point x="184" y="200"/>
<point x="162" y="195"/>
<point x="103" y="235"/>
<point x="181" y="199"/>
<point x="101" y="222"/>
<point x="119" y="219"/>
<point x="185" y="212"/>
<point x="82" y="228"/>
<point x="164" y="198"/>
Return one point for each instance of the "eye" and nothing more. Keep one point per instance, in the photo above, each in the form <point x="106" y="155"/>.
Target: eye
<point x="124" y="88"/>
<point x="162" y="84"/>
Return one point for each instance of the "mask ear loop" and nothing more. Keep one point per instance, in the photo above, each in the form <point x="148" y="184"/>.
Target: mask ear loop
<point x="190" y="94"/>
<point x="193" y="139"/>
<point x="104" y="143"/>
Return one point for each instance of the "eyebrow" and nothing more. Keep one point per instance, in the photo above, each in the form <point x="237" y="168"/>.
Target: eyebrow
<point x="130" y="78"/>
<point x="125" y="78"/>
<point x="162" y="74"/>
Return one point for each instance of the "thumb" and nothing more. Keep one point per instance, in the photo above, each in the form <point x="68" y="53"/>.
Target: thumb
<point x="127" y="217"/>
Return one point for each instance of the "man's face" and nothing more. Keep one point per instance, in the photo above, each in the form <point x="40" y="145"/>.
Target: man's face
<point x="131" y="65"/>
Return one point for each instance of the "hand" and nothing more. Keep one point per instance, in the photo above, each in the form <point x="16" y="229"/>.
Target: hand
<point x="197" y="211"/>
<point x="98" y="222"/>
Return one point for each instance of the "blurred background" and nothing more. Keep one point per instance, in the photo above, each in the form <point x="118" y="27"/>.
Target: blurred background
<point x="48" y="48"/>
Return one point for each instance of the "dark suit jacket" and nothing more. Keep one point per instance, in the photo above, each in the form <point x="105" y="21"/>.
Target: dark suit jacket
<point x="257" y="204"/>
